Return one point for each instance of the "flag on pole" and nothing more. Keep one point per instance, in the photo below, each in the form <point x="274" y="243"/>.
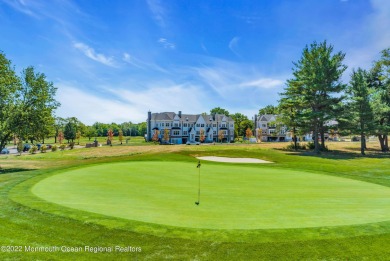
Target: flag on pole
<point x="198" y="166"/>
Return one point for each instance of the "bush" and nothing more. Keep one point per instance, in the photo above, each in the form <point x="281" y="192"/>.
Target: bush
<point x="299" y="146"/>
<point x="54" y="148"/>
<point x="310" y="145"/>
<point x="20" y="147"/>
<point x="43" y="148"/>
<point x="71" y="145"/>
<point x="62" y="146"/>
<point x="33" y="149"/>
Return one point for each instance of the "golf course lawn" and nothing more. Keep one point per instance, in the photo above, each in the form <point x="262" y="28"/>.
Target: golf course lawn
<point x="232" y="196"/>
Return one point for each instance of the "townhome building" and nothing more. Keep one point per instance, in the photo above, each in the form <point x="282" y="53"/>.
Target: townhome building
<point x="272" y="130"/>
<point x="185" y="128"/>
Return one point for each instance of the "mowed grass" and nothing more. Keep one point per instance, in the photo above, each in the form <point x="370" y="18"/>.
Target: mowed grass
<point x="232" y="197"/>
<point x="27" y="220"/>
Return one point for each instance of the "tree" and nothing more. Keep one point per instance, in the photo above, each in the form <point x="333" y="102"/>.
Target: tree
<point x="155" y="137"/>
<point x="219" y="110"/>
<point x="142" y="128"/>
<point x="78" y="136"/>
<point x="9" y="85"/>
<point x="259" y="134"/>
<point x="59" y="124"/>
<point x="269" y="109"/>
<point x="221" y="135"/>
<point x="60" y="137"/>
<point x="110" y="135"/>
<point x="291" y="115"/>
<point x="166" y="135"/>
<point x="244" y="125"/>
<point x="379" y="81"/>
<point x="33" y="116"/>
<point x="238" y="118"/>
<point x="90" y="132"/>
<point x="357" y="109"/>
<point x="120" y="136"/>
<point x="70" y="131"/>
<point x="316" y="88"/>
<point x="248" y="133"/>
<point x="202" y="137"/>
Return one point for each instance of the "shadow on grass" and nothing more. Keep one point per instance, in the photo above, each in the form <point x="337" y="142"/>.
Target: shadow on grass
<point x="12" y="170"/>
<point x="340" y="155"/>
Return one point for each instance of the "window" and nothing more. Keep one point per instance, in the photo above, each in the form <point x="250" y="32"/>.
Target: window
<point x="214" y="125"/>
<point x="202" y="125"/>
<point x="197" y="125"/>
<point x="231" y="125"/>
<point x="176" y="124"/>
<point x="214" y="132"/>
<point x="264" y="125"/>
<point x="197" y="133"/>
<point x="185" y="133"/>
<point x="184" y="124"/>
<point x="223" y="125"/>
<point x="176" y="133"/>
<point x="167" y="124"/>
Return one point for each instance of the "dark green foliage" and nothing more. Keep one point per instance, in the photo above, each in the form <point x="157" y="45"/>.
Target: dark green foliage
<point x="315" y="88"/>
<point x="219" y="110"/>
<point x="70" y="131"/>
<point x="269" y="109"/>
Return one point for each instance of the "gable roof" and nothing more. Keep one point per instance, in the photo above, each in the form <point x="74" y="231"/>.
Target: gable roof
<point x="170" y="116"/>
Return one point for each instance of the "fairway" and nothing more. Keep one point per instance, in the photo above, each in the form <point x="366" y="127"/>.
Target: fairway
<point x="232" y="196"/>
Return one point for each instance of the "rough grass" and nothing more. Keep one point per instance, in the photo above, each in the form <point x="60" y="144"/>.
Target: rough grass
<point x="22" y="225"/>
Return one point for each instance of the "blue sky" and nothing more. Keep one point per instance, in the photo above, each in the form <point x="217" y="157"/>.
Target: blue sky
<point x="112" y="61"/>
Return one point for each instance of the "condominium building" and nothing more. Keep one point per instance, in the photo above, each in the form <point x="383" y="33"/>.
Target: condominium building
<point x="183" y="128"/>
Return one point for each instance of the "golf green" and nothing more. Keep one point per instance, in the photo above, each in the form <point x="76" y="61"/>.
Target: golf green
<point x="232" y="196"/>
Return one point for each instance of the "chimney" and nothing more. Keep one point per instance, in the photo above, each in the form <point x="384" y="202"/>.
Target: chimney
<point x="180" y="114"/>
<point x="149" y="126"/>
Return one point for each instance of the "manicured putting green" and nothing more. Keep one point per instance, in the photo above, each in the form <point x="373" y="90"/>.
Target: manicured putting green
<point x="232" y="197"/>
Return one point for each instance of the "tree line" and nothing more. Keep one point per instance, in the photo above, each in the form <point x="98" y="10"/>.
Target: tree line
<point x="27" y="111"/>
<point x="315" y="96"/>
<point x="72" y="129"/>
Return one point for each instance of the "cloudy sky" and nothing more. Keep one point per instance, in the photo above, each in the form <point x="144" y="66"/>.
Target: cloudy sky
<point x="112" y="61"/>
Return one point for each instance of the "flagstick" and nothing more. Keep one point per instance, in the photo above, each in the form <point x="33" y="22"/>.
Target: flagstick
<point x="199" y="187"/>
<point x="198" y="202"/>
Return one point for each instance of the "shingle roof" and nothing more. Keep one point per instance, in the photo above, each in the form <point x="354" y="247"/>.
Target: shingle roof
<point x="169" y="116"/>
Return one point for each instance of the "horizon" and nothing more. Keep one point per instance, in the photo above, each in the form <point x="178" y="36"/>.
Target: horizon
<point x="115" y="61"/>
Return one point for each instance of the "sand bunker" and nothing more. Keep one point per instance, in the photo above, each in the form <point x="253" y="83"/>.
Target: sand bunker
<point x="233" y="160"/>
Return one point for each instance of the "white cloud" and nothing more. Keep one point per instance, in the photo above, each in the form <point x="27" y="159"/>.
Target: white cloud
<point x="233" y="45"/>
<point x="89" y="108"/>
<point x="132" y="60"/>
<point x="158" y="11"/>
<point x="167" y="45"/>
<point x="265" y="83"/>
<point x="120" y="105"/>
<point x="98" y="57"/>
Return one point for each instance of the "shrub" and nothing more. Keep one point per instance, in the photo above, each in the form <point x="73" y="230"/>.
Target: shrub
<point x="62" y="146"/>
<point x="43" y="148"/>
<point x="33" y="149"/>
<point x="20" y="147"/>
<point x="71" y="145"/>
<point x="310" y="145"/>
<point x="299" y="146"/>
<point x="54" y="148"/>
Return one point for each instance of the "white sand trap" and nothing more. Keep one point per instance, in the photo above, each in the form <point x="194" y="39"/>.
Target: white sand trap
<point x="233" y="160"/>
